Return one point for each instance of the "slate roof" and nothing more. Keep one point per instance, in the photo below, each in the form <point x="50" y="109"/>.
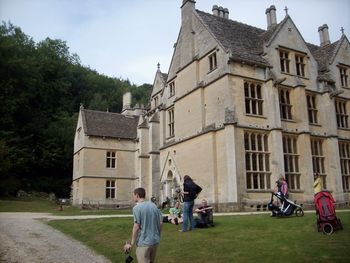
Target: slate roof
<point x="109" y="124"/>
<point x="323" y="55"/>
<point x="245" y="42"/>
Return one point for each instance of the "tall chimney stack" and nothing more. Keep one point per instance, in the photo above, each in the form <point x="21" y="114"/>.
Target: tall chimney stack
<point x="126" y="100"/>
<point x="215" y="10"/>
<point x="324" y="35"/>
<point x="220" y="11"/>
<point x="226" y="13"/>
<point x="271" y="16"/>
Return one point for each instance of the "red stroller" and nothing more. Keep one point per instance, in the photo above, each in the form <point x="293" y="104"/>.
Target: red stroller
<point x="325" y="211"/>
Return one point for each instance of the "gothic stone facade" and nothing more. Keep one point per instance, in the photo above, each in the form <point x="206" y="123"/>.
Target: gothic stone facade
<point x="239" y="107"/>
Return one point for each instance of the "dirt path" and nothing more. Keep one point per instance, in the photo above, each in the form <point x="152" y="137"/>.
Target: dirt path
<point x="25" y="239"/>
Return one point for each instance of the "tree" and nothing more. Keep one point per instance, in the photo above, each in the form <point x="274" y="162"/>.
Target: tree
<point x="42" y="86"/>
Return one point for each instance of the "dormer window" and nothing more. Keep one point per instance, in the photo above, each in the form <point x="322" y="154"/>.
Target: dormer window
<point x="344" y="77"/>
<point x="284" y="61"/>
<point x="172" y="89"/>
<point x="212" y="62"/>
<point x="300" y="65"/>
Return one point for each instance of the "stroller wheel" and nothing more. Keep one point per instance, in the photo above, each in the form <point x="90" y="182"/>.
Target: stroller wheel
<point x="299" y="212"/>
<point x="327" y="229"/>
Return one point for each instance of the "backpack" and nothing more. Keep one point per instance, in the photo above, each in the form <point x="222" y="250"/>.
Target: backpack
<point x="195" y="190"/>
<point x="198" y="190"/>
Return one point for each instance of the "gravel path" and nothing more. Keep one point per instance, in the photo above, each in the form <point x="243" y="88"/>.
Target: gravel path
<point x="25" y="239"/>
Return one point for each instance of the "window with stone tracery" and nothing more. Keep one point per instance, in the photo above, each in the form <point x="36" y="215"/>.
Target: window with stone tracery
<point x="344" y="154"/>
<point x="300" y="65"/>
<point x="291" y="161"/>
<point x="284" y="61"/>
<point x="257" y="161"/>
<point x="253" y="98"/>
<point x="318" y="159"/>
<point x="285" y="104"/>
<point x="171" y="122"/>
<point x="341" y="114"/>
<point x="312" y="108"/>
<point x="344" y="77"/>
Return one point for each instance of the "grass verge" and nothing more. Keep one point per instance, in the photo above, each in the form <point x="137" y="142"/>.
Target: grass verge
<point x="46" y="206"/>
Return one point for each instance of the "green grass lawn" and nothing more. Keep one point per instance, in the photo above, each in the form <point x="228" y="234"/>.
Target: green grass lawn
<point x="251" y="238"/>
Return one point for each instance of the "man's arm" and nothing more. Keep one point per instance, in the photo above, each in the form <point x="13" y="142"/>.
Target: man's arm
<point x="203" y="209"/>
<point x="135" y="231"/>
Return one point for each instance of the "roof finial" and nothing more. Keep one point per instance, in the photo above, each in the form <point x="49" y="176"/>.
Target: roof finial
<point x="286" y="10"/>
<point x="342" y="30"/>
<point x="158" y="66"/>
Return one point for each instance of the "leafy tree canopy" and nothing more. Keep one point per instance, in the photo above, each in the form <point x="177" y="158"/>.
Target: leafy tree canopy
<point x="42" y="86"/>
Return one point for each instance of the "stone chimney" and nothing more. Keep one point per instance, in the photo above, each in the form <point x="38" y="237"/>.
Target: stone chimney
<point x="127" y="100"/>
<point x="188" y="6"/>
<point x="215" y="10"/>
<point x="324" y="35"/>
<point x="220" y="11"/>
<point x="271" y="16"/>
<point x="226" y="13"/>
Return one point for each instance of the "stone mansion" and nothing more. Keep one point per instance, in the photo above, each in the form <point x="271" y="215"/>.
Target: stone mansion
<point x="238" y="107"/>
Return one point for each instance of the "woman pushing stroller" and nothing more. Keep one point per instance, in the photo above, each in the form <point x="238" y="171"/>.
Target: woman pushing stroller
<point x="286" y="207"/>
<point x="282" y="187"/>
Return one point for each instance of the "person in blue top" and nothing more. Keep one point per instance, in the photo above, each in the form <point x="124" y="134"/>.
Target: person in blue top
<point x="147" y="228"/>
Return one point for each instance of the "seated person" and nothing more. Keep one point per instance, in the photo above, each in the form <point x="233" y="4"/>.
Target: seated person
<point x="175" y="214"/>
<point x="166" y="203"/>
<point x="205" y="215"/>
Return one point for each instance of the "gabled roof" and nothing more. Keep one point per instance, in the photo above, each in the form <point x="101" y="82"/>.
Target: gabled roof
<point x="246" y="42"/>
<point x="109" y="124"/>
<point x="162" y="77"/>
<point x="243" y="41"/>
<point x="323" y="55"/>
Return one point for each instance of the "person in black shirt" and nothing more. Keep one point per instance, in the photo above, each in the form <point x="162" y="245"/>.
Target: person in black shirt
<point x="205" y="215"/>
<point x="190" y="192"/>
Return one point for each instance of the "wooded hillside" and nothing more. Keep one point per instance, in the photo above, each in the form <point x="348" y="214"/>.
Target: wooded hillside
<point x="42" y="86"/>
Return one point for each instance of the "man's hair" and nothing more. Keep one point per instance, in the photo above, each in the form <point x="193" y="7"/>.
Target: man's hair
<point x="141" y="192"/>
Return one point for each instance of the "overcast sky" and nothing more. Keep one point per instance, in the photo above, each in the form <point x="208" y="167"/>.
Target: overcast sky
<point x="127" y="38"/>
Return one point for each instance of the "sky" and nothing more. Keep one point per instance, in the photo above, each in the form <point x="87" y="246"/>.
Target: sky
<point x="127" y="38"/>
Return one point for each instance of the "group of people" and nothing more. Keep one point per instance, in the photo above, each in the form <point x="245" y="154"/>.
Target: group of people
<point x="148" y="218"/>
